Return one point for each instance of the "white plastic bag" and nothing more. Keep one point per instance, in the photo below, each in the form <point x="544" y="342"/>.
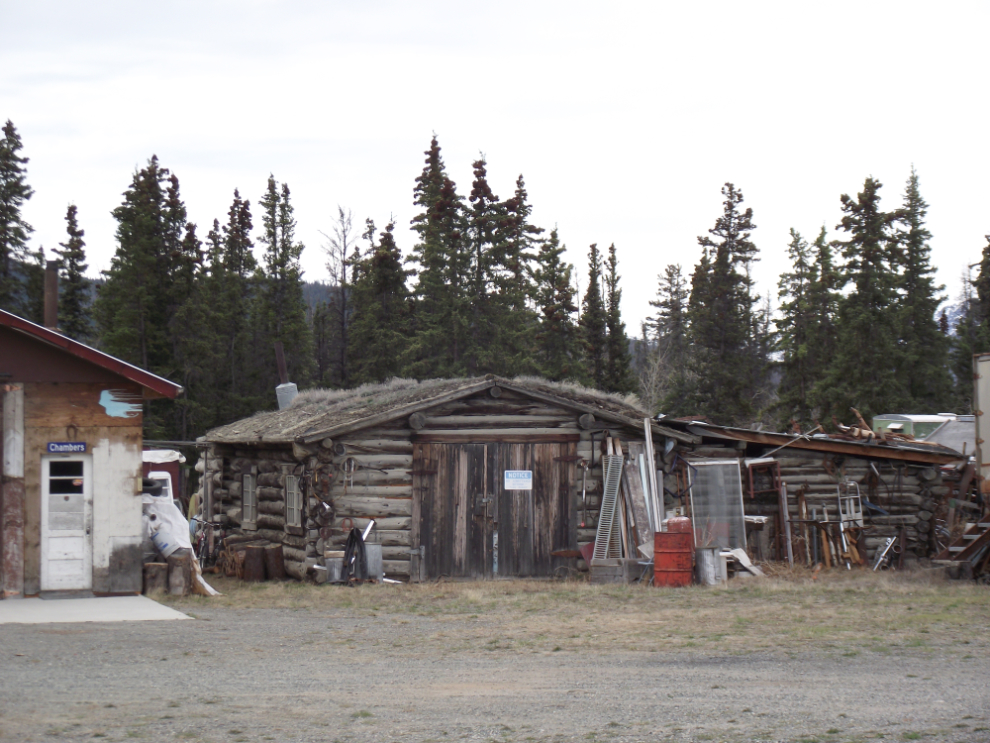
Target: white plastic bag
<point x="167" y="519"/>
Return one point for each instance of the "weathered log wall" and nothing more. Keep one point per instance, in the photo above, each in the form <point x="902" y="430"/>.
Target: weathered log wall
<point x="908" y="492"/>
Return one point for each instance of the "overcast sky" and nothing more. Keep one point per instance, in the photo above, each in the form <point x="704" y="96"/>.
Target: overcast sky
<point x="624" y="118"/>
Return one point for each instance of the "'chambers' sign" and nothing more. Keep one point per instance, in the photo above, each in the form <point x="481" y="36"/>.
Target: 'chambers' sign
<point x="66" y="447"/>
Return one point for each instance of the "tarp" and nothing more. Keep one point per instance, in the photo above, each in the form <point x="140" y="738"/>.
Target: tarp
<point x="161" y="456"/>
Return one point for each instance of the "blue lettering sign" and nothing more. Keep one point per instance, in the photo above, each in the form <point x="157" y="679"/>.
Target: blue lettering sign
<point x="66" y="447"/>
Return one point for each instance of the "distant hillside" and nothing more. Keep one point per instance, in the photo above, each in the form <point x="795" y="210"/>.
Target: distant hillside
<point x="315" y="292"/>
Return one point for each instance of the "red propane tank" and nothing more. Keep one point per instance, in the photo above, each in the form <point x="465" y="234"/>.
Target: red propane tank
<point x="679" y="524"/>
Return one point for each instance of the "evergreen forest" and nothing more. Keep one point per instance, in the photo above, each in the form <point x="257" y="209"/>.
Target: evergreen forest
<point x="856" y="321"/>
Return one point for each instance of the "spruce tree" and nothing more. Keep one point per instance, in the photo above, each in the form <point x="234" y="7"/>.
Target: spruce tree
<point x="195" y="340"/>
<point x="378" y="334"/>
<point x="801" y="365"/>
<point x="131" y="309"/>
<point x="485" y="217"/>
<point x="519" y="242"/>
<point x="669" y="326"/>
<point x="283" y="309"/>
<point x="823" y="301"/>
<point x="74" y="312"/>
<point x="442" y="319"/>
<point x="663" y="369"/>
<point x="923" y="346"/>
<point x="618" y="372"/>
<point x="14" y="230"/>
<point x="515" y="322"/>
<point x="234" y="282"/>
<point x="863" y="371"/>
<point x="728" y="364"/>
<point x="593" y="324"/>
<point x="556" y="337"/>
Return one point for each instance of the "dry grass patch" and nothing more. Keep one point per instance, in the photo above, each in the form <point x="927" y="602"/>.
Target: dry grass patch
<point x="848" y="612"/>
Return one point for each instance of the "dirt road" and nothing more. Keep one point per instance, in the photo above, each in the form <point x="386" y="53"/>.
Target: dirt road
<point x="487" y="670"/>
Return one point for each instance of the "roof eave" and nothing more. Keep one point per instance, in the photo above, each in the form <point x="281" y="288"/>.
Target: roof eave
<point x="157" y="386"/>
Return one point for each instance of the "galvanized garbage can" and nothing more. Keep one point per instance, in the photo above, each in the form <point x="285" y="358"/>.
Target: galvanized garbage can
<point x="376" y="570"/>
<point x="708" y="566"/>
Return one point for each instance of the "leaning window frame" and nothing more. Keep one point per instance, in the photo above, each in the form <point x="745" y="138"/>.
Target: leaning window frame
<point x="293" y="502"/>
<point x="249" y="511"/>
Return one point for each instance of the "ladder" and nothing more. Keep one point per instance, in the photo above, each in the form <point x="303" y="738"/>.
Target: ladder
<point x="850" y="503"/>
<point x="608" y="540"/>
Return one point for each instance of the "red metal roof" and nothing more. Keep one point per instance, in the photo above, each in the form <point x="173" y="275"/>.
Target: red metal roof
<point x="151" y="382"/>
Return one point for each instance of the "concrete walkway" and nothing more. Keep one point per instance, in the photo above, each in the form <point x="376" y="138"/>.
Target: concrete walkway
<point x="110" y="609"/>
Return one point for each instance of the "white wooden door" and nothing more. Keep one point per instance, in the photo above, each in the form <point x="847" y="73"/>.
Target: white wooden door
<point x="66" y="523"/>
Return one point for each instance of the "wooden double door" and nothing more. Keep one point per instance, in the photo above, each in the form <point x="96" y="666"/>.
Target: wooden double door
<point x="471" y="526"/>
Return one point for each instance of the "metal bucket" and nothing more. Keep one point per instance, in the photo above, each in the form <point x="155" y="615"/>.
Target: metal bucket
<point x="335" y="569"/>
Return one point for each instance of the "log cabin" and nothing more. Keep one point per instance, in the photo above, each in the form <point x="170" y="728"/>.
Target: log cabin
<point x="70" y="511"/>
<point x="427" y="461"/>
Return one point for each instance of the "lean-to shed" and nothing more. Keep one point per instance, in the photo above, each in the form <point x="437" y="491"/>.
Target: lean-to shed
<point x="909" y="485"/>
<point x="428" y="462"/>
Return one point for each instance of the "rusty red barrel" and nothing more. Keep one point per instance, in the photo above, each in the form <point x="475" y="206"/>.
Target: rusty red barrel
<point x="673" y="558"/>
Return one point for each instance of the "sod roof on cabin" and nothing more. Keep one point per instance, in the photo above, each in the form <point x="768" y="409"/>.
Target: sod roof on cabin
<point x="316" y="414"/>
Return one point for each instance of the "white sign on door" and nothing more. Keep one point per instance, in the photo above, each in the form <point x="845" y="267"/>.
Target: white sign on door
<point x="519" y="479"/>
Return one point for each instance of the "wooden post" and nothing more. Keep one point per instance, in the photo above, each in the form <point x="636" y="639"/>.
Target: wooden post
<point x="12" y="492"/>
<point x="803" y="515"/>
<point x="207" y="487"/>
<point x="274" y="562"/>
<point x="785" y="522"/>
<point x="826" y="552"/>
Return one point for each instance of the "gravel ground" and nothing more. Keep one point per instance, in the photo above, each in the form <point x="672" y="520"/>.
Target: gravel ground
<point x="318" y="674"/>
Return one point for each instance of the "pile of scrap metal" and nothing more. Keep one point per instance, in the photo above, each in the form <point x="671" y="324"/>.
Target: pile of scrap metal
<point x="835" y="537"/>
